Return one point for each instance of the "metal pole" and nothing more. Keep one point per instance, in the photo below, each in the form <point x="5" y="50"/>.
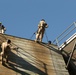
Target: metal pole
<point x="32" y="36"/>
<point x="74" y="47"/>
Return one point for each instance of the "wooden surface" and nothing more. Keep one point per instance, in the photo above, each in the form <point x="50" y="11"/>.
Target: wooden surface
<point x="32" y="58"/>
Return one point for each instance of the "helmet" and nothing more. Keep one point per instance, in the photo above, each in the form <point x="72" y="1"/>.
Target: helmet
<point x="42" y="20"/>
<point x="8" y="41"/>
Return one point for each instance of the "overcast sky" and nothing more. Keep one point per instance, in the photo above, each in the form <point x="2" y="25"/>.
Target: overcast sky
<point x="21" y="17"/>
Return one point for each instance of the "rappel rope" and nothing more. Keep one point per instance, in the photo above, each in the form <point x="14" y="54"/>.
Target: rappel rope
<point x="35" y="33"/>
<point x="46" y="37"/>
<point x="49" y="42"/>
<point x="32" y="35"/>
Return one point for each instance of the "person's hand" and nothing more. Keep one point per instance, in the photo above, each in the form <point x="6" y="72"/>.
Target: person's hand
<point x="2" y="53"/>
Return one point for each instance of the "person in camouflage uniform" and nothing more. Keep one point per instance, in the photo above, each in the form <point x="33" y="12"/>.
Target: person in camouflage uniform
<point x="41" y="29"/>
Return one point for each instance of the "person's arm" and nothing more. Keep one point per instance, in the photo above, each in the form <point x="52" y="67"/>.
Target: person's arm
<point x="13" y="48"/>
<point x="4" y="29"/>
<point x="39" y="25"/>
<point x="46" y="25"/>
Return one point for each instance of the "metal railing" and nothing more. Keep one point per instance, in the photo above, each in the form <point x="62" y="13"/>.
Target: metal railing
<point x="65" y="35"/>
<point x="67" y="41"/>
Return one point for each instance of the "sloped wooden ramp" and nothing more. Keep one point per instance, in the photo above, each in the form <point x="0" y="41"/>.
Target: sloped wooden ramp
<point x="32" y="58"/>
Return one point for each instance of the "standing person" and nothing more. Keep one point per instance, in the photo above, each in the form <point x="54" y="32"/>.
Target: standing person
<point x="6" y="47"/>
<point x="41" y="29"/>
<point x="2" y="28"/>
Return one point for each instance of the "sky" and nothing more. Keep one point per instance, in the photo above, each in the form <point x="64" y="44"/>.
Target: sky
<point x="21" y="17"/>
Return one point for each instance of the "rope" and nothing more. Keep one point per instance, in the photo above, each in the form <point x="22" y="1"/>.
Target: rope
<point x="32" y="35"/>
<point x="46" y="36"/>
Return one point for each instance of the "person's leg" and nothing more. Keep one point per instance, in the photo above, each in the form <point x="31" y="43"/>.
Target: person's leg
<point x="2" y="59"/>
<point x="7" y="58"/>
<point x="37" y="37"/>
<point x="41" y="35"/>
<point x="7" y="54"/>
<point x="38" y="34"/>
<point x="2" y="31"/>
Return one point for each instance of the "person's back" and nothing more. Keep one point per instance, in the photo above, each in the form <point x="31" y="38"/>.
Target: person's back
<point x="41" y="29"/>
<point x="42" y="25"/>
<point x="5" y="46"/>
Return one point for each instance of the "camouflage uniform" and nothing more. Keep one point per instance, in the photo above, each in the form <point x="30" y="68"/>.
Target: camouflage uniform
<point x="41" y="29"/>
<point x="2" y="28"/>
<point x="6" y="47"/>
